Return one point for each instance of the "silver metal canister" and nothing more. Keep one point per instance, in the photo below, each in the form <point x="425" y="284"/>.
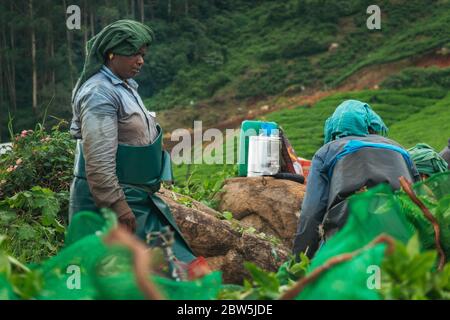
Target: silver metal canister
<point x="263" y="156"/>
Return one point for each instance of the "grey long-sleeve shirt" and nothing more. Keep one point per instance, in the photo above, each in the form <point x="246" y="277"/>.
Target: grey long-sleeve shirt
<point x="108" y="111"/>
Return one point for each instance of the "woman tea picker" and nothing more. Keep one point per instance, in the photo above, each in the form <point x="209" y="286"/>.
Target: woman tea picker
<point x="119" y="161"/>
<point x="427" y="160"/>
<point x="356" y="156"/>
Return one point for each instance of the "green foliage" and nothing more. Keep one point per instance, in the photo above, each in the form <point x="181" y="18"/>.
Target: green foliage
<point x="409" y="274"/>
<point x="433" y="192"/>
<point x="293" y="269"/>
<point x="419" y="35"/>
<point x="283" y="35"/>
<point x="328" y="10"/>
<point x="430" y="125"/>
<point x="30" y="221"/>
<point x="275" y="78"/>
<point x="217" y="51"/>
<point x="266" y="285"/>
<point x="205" y="189"/>
<point x="419" y="78"/>
<point x="25" y="282"/>
<point x="34" y="193"/>
<point x="227" y="215"/>
<point x="37" y="158"/>
<point x="262" y="286"/>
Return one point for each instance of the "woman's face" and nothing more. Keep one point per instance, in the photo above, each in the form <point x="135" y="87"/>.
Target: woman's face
<point x="127" y="66"/>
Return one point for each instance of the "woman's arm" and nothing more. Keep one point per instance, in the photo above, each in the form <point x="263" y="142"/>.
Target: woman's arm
<point x="313" y="209"/>
<point x="99" y="130"/>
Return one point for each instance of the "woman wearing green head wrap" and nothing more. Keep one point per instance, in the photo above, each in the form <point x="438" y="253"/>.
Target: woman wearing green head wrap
<point x="125" y="39"/>
<point x="427" y="160"/>
<point x="119" y="162"/>
<point x="356" y="155"/>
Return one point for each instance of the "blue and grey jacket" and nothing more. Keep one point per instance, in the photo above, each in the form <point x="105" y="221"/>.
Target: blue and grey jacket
<point x="339" y="169"/>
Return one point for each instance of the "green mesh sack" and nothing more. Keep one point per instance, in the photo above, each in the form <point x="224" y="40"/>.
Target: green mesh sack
<point x="87" y="268"/>
<point x="85" y="223"/>
<point x="348" y="280"/>
<point x="435" y="194"/>
<point x="371" y="214"/>
<point x="115" y="280"/>
<point x="71" y="274"/>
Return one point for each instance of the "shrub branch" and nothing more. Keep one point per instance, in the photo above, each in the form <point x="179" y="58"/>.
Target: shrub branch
<point x="406" y="185"/>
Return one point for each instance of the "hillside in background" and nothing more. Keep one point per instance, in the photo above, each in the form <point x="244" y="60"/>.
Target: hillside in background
<point x="275" y="47"/>
<point x="295" y="48"/>
<point x="211" y="59"/>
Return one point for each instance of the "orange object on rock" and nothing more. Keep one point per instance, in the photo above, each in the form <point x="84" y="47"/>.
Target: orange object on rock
<point x="306" y="164"/>
<point x="198" y="268"/>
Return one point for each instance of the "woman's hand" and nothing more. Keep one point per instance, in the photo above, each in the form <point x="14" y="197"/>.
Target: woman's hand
<point x="128" y="220"/>
<point x="125" y="215"/>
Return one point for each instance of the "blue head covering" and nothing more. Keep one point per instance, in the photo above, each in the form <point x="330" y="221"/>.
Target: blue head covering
<point x="353" y="118"/>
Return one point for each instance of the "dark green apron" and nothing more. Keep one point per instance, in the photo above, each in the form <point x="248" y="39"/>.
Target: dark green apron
<point x="140" y="170"/>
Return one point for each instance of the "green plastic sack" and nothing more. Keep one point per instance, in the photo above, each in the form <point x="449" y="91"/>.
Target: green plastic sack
<point x="371" y="214"/>
<point x="86" y="268"/>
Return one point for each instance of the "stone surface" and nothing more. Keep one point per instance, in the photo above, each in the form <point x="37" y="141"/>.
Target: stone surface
<point x="220" y="243"/>
<point x="269" y="205"/>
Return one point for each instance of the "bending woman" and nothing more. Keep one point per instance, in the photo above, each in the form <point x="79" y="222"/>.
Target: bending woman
<point x="356" y="155"/>
<point x="119" y="162"/>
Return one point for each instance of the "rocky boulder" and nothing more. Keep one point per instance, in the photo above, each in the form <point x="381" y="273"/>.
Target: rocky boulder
<point x="224" y="244"/>
<point x="269" y="205"/>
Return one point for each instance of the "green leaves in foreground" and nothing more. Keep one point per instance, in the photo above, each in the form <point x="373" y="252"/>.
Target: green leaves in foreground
<point x="23" y="281"/>
<point x="412" y="275"/>
<point x="266" y="285"/>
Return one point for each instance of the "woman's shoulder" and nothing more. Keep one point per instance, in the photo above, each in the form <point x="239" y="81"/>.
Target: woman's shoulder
<point x="96" y="86"/>
<point x="96" y="83"/>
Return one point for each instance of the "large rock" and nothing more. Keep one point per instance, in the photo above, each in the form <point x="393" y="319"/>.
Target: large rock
<point x="269" y="205"/>
<point x="219" y="241"/>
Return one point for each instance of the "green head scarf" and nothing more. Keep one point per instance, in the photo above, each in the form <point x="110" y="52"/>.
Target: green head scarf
<point x="427" y="160"/>
<point x="353" y="118"/>
<point x="123" y="37"/>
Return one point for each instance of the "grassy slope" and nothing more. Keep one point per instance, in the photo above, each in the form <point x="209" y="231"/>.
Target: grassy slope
<point x="404" y="111"/>
<point x="431" y="125"/>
